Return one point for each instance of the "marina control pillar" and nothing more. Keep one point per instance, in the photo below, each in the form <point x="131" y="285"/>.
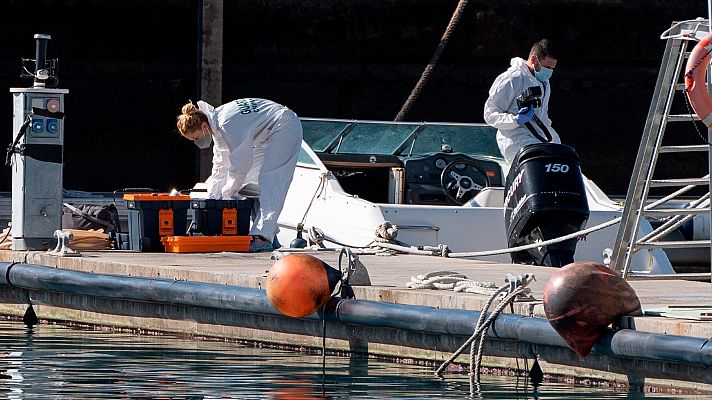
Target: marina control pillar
<point x="35" y="156"/>
<point x="37" y="167"/>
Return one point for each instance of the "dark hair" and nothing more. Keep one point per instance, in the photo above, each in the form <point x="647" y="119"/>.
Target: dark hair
<point x="543" y="49"/>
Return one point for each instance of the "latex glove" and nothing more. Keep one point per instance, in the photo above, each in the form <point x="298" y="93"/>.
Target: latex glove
<point x="525" y="115"/>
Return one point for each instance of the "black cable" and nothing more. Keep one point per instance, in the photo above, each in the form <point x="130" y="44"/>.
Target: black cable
<point x="12" y="149"/>
<point x="692" y="117"/>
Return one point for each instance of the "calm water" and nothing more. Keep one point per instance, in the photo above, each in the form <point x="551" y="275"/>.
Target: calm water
<point x="51" y="361"/>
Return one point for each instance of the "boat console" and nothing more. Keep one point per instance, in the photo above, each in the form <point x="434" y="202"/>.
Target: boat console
<point x="446" y="178"/>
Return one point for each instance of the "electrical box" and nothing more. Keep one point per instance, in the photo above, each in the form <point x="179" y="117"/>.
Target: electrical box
<point x="36" y="165"/>
<point x="35" y="153"/>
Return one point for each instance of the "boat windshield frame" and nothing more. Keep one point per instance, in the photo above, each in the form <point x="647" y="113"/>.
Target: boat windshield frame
<point x="402" y="139"/>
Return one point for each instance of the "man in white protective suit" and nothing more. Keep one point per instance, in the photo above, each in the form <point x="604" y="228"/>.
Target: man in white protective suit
<point x="256" y="141"/>
<point x="518" y="103"/>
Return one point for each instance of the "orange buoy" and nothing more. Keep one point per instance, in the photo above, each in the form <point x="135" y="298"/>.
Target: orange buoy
<point x="695" y="82"/>
<point x="292" y="389"/>
<point x="299" y="284"/>
<point x="582" y="299"/>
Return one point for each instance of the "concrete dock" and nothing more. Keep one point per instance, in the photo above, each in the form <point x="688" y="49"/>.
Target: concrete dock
<point x="389" y="275"/>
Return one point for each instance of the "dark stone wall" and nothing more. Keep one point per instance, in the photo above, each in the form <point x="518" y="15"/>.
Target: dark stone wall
<point x="129" y="65"/>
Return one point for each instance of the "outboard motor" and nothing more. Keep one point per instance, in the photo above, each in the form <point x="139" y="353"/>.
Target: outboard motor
<point x="545" y="199"/>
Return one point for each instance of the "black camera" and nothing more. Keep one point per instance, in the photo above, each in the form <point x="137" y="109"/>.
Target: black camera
<point x="530" y="97"/>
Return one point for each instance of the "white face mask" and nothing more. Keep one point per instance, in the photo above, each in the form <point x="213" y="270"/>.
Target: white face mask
<point x="204" y="141"/>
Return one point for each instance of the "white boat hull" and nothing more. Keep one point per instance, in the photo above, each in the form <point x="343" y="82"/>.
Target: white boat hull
<point x="351" y="221"/>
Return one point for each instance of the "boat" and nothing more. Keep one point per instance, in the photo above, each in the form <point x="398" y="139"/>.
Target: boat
<point x="354" y="176"/>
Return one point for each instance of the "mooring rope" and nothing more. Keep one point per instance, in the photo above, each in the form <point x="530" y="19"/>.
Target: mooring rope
<point x="573" y="235"/>
<point x="516" y="285"/>
<point x="443" y="251"/>
<point x="380" y="244"/>
<point x="319" y="189"/>
<point x="425" y="76"/>
<point x="478" y="331"/>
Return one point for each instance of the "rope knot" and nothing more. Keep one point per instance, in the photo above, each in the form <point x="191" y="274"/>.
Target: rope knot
<point x="387" y="231"/>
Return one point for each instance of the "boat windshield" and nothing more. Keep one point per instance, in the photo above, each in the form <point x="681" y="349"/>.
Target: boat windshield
<point x="469" y="139"/>
<point x="399" y="139"/>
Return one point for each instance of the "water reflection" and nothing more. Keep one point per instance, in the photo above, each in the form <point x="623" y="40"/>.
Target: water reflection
<point x="52" y="361"/>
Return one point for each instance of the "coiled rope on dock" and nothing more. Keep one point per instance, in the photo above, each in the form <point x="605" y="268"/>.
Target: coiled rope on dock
<point x="450" y="280"/>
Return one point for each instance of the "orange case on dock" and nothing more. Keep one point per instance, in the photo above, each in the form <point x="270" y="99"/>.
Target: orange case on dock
<point x="206" y="244"/>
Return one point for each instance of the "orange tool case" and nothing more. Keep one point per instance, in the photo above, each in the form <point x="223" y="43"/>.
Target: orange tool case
<point x="154" y="215"/>
<point x="206" y="244"/>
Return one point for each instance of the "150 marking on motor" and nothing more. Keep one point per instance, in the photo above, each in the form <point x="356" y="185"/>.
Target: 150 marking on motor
<point x="563" y="168"/>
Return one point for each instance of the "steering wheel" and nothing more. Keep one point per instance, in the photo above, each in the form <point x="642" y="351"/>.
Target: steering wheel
<point x="459" y="183"/>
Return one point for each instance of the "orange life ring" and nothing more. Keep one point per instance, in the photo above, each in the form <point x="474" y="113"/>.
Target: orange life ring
<point x="695" y="80"/>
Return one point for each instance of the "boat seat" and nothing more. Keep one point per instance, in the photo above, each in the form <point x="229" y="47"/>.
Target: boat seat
<point x="491" y="196"/>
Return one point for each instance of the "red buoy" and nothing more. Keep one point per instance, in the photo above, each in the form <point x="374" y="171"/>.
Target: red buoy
<point x="582" y="299"/>
<point x="299" y="284"/>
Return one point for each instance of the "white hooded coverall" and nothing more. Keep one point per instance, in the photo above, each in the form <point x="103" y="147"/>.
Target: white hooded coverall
<point x="256" y="141"/>
<point x="501" y="109"/>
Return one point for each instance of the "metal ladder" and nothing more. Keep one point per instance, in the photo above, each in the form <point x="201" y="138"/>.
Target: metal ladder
<point x="681" y="37"/>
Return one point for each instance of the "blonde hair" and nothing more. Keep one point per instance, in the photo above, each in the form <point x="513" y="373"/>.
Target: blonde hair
<point x="190" y="119"/>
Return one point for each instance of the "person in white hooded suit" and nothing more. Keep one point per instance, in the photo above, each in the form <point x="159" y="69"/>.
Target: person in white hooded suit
<point x="518" y="127"/>
<point x="256" y="142"/>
